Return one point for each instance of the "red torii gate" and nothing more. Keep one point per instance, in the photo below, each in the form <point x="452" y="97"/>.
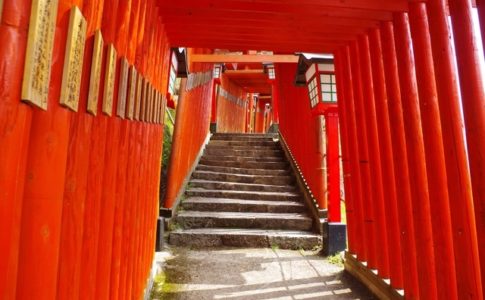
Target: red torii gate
<point x="407" y="179"/>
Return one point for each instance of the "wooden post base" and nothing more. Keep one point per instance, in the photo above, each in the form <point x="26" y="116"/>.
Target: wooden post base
<point x="378" y="286"/>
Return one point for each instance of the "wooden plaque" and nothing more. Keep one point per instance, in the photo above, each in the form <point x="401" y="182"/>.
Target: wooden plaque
<point x="149" y="98"/>
<point x="73" y="60"/>
<point x="122" y="88"/>
<point x="139" y="89"/>
<point x="38" y="59"/>
<point x="1" y="10"/>
<point x="95" y="79"/>
<point x="141" y="115"/>
<point x="109" y="80"/>
<point x="145" y="100"/>
<point x="150" y="111"/>
<point x="157" y="105"/>
<point x="164" y="105"/>
<point x="132" y="93"/>
<point x="150" y="104"/>
<point x="160" y="109"/>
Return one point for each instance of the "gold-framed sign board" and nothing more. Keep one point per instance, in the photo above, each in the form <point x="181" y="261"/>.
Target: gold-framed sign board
<point x="109" y="80"/>
<point x="73" y="60"/>
<point x="38" y="57"/>
<point x="139" y="89"/>
<point x="123" y="88"/>
<point x="132" y="91"/>
<point x="95" y="78"/>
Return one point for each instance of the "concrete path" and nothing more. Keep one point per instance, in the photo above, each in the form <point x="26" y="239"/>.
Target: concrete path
<point x="252" y="274"/>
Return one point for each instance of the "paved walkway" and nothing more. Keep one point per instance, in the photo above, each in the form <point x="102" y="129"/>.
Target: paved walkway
<point x="252" y="274"/>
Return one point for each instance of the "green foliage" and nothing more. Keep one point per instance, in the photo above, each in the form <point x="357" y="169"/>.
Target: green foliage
<point x="167" y="138"/>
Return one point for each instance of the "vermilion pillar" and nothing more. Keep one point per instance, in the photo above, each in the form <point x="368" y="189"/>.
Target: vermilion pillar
<point x="75" y="190"/>
<point x="344" y="140"/>
<point x="333" y="165"/>
<point x="15" y="120"/>
<point x="103" y="268"/>
<point x="399" y="157"/>
<point x="369" y="114"/>
<point x="275" y="100"/>
<point x="44" y="186"/>
<point x="123" y="19"/>
<point x="435" y="158"/>
<point x="416" y="158"/>
<point x="459" y="183"/>
<point x="368" y="210"/>
<point x="386" y="160"/>
<point x="215" y="85"/>
<point x="361" y="234"/>
<point x="481" y="14"/>
<point x="473" y="97"/>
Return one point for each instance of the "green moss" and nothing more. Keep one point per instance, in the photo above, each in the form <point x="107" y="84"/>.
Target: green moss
<point x="161" y="287"/>
<point x="336" y="259"/>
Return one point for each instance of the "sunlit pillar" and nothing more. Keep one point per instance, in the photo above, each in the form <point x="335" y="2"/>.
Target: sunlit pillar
<point x="361" y="234"/>
<point x="365" y="174"/>
<point x="416" y="158"/>
<point x="467" y="261"/>
<point x="369" y="115"/>
<point x="473" y="97"/>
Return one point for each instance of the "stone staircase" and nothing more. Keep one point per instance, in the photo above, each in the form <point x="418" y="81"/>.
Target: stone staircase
<point x="243" y="194"/>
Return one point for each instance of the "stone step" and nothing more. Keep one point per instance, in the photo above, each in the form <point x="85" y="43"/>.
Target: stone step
<point x="202" y="167"/>
<point x="245" y="164"/>
<point x="235" y="237"/>
<point x="241" y="178"/>
<point x="249" y="152"/>
<point x="232" y="158"/>
<point x="262" y="143"/>
<point x="243" y="148"/>
<point x="270" y="196"/>
<point x="200" y="219"/>
<point x="239" y="205"/>
<point x="248" y="135"/>
<point x="236" y="186"/>
<point x="245" y="137"/>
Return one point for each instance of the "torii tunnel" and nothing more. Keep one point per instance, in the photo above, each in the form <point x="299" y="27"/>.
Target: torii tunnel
<point x="84" y="85"/>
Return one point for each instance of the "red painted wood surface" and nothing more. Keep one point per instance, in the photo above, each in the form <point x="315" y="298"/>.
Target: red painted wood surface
<point x="44" y="187"/>
<point x="459" y="183"/>
<point x="76" y="186"/>
<point x="434" y="150"/>
<point x="400" y="159"/>
<point x="191" y="129"/>
<point x="369" y="114"/>
<point x="416" y="158"/>
<point x="275" y="99"/>
<point x="123" y="21"/>
<point x="473" y="97"/>
<point x="298" y="127"/>
<point x="231" y="117"/>
<point x="369" y="213"/>
<point x="386" y="162"/>
<point x="259" y="124"/>
<point x="360" y="235"/>
<point x="333" y="165"/>
<point x="15" y="120"/>
<point x="345" y="159"/>
<point x="109" y="27"/>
